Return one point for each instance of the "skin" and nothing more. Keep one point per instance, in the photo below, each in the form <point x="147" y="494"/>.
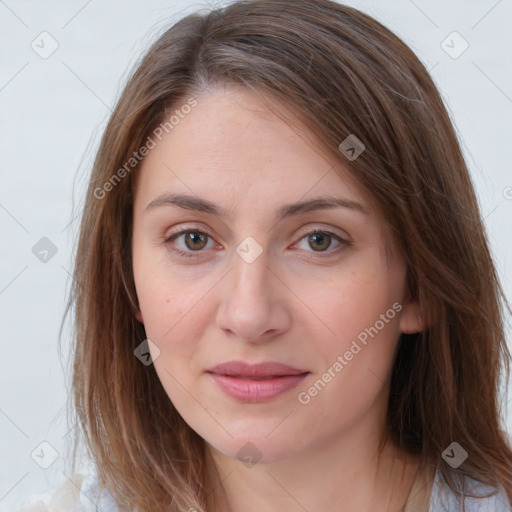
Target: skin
<point x="290" y="305"/>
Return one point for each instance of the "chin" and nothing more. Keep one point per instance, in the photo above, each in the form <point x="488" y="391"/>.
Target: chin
<point x="255" y="449"/>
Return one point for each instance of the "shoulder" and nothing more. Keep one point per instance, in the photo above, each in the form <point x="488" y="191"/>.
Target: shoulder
<point x="79" y="493"/>
<point x="443" y="499"/>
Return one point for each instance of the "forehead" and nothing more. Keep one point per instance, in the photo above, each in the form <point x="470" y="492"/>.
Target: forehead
<point x="231" y="142"/>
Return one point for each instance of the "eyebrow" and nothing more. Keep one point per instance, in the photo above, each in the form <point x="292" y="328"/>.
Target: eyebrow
<point x="199" y="204"/>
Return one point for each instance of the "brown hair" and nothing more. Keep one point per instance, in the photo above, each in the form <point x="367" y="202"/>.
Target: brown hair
<point x="343" y="73"/>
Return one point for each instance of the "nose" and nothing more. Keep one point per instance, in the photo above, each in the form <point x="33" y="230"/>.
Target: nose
<point x="254" y="301"/>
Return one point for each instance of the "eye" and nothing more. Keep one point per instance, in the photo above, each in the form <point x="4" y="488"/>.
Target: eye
<point x="320" y="240"/>
<point x="193" y="240"/>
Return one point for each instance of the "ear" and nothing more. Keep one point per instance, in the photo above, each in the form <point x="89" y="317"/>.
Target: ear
<point x="411" y="319"/>
<point x="138" y="316"/>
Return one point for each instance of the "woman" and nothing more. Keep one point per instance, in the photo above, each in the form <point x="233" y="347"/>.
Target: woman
<point x="284" y="293"/>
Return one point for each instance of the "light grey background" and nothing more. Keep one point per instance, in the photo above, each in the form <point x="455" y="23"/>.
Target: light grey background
<point x="53" y="111"/>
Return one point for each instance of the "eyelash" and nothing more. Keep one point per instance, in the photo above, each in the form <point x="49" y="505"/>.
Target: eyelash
<point x="321" y="254"/>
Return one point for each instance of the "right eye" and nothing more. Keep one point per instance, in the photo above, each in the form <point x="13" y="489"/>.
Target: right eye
<point x="193" y="241"/>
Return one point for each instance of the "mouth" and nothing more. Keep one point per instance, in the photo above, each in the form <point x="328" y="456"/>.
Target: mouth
<point x="267" y="369"/>
<point x="245" y="377"/>
<point x="256" y="390"/>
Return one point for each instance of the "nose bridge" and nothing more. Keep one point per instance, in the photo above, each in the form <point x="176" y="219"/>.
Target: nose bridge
<point x="250" y="273"/>
<point x="251" y="305"/>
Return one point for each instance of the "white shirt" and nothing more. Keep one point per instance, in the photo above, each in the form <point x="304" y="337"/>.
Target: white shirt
<point x="443" y="499"/>
<point x="83" y="495"/>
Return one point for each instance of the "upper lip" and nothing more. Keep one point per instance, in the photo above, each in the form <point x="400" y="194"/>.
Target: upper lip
<point x="266" y="369"/>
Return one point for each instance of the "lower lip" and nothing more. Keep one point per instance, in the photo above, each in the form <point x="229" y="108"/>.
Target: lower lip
<point x="253" y="391"/>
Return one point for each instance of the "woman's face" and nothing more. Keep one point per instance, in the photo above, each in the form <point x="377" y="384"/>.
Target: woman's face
<point x="243" y="277"/>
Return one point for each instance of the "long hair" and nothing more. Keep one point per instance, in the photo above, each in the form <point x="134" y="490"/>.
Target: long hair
<point x="344" y="74"/>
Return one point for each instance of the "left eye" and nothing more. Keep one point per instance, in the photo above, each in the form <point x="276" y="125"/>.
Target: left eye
<point x="321" y="240"/>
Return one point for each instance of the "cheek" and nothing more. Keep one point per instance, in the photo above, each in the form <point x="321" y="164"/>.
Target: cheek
<point x="176" y="313"/>
<point x="356" y="339"/>
<point x="172" y="319"/>
<point x="354" y="303"/>
<point x="168" y="298"/>
<point x="175" y="322"/>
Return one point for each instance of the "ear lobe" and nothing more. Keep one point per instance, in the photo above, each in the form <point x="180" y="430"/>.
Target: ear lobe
<point x="411" y="319"/>
<point x="138" y="316"/>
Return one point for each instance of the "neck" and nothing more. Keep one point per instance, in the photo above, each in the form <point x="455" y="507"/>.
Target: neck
<point x="347" y="474"/>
